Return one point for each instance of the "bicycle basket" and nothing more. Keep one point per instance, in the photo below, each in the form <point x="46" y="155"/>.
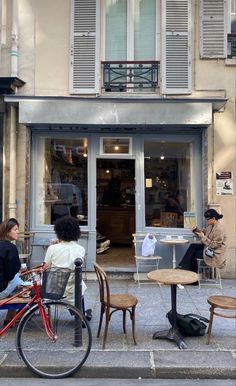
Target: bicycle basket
<point x="54" y="283"/>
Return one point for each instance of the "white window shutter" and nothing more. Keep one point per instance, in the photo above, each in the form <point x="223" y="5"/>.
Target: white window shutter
<point x="176" y="47"/>
<point x="213" y="35"/>
<point x="84" y="66"/>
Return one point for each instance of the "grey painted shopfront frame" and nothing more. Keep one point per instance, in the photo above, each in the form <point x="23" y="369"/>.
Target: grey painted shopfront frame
<point x="94" y="153"/>
<point x="141" y="118"/>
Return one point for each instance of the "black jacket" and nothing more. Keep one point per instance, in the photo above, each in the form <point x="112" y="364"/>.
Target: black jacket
<point x="9" y="263"/>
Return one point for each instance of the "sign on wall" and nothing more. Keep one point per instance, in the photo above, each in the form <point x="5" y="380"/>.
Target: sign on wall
<point x="224" y="183"/>
<point x="189" y="219"/>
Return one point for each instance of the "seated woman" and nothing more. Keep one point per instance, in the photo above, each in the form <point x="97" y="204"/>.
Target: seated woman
<point x="63" y="252"/>
<point x="212" y="236"/>
<point x="9" y="262"/>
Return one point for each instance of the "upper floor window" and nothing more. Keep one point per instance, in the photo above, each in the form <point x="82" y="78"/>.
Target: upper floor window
<point x="233" y="16"/>
<point x="131" y="37"/>
<point x="231" y="46"/>
<point x="130" y="30"/>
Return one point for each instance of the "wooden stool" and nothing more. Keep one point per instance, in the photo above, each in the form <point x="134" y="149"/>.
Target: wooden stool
<point x="223" y="302"/>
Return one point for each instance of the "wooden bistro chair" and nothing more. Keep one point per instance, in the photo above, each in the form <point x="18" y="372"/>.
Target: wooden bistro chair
<point x="112" y="303"/>
<point x="226" y="303"/>
<point x="24" y="245"/>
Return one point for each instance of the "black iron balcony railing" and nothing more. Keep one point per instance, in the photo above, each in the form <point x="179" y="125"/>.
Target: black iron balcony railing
<point x="231" y="45"/>
<point x="120" y="76"/>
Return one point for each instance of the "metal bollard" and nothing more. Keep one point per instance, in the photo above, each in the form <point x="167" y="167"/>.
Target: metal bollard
<point x="78" y="301"/>
<point x="78" y="283"/>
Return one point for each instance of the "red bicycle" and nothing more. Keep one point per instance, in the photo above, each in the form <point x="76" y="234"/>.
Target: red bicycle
<point x="50" y="331"/>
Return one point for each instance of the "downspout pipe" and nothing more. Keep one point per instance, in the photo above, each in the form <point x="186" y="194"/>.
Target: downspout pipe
<point x="12" y="144"/>
<point x="14" y="40"/>
<point x="12" y="163"/>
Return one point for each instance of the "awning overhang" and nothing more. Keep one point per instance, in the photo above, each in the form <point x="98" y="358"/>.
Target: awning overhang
<point x="103" y="112"/>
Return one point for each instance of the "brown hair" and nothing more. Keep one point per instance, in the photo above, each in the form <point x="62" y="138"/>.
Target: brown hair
<point x="6" y="226"/>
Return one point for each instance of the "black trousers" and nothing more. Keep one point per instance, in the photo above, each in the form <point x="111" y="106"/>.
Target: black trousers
<point x="189" y="261"/>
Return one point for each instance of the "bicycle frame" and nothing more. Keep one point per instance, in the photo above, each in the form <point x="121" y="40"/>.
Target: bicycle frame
<point x="36" y="300"/>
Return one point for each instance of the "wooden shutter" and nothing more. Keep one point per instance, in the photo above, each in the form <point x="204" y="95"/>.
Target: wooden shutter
<point x="84" y="48"/>
<point x="176" y="47"/>
<point x="213" y="34"/>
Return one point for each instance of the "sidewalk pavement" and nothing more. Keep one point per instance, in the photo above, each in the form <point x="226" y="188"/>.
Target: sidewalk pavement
<point x="150" y="358"/>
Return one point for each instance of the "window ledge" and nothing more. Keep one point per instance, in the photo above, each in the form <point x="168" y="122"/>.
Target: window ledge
<point x="230" y="62"/>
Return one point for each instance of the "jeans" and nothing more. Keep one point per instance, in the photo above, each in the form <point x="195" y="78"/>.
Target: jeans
<point x="189" y="261"/>
<point x="11" y="286"/>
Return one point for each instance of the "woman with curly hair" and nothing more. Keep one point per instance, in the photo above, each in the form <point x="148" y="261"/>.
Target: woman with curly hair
<point x="65" y="250"/>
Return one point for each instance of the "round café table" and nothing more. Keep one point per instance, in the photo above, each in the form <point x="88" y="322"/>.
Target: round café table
<point x="174" y="241"/>
<point x="173" y="277"/>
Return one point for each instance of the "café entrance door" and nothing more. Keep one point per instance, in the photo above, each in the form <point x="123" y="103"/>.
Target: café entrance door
<point x="115" y="212"/>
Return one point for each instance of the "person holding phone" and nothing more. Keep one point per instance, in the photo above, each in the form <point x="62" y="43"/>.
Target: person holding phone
<point x="211" y="245"/>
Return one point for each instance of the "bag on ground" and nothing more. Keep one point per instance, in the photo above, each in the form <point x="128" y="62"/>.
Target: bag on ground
<point x="189" y="324"/>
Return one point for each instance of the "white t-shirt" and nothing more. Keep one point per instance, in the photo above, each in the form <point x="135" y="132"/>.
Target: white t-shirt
<point x="63" y="255"/>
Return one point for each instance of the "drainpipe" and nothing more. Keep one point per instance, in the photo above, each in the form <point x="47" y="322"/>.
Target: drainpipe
<point x="14" y="40"/>
<point x="12" y="145"/>
<point x="12" y="164"/>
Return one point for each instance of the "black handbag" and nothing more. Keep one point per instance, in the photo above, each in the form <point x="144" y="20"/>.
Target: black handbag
<point x="189" y="324"/>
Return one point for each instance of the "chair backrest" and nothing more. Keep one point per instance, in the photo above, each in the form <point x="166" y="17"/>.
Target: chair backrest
<point x="138" y="239"/>
<point x="103" y="284"/>
<point x="169" y="219"/>
<point x="25" y="241"/>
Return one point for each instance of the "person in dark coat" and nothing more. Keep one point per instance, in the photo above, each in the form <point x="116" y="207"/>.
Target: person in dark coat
<point x="9" y="261"/>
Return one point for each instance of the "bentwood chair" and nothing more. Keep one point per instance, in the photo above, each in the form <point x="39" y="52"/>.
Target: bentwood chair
<point x="112" y="303"/>
<point x="24" y="245"/>
<point x="225" y="303"/>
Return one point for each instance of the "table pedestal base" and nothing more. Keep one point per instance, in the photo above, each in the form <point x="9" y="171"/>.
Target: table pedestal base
<point x="171" y="334"/>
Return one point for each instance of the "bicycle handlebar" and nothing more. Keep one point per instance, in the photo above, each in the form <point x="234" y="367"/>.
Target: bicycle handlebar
<point x="38" y="269"/>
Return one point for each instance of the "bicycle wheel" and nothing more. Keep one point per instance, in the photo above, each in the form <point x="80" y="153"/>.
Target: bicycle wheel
<point x="62" y="356"/>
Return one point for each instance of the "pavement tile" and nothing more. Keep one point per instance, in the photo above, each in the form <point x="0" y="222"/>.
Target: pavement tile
<point x="150" y="358"/>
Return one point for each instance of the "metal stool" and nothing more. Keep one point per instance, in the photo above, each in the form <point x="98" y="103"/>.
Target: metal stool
<point x="208" y="275"/>
<point x="223" y="302"/>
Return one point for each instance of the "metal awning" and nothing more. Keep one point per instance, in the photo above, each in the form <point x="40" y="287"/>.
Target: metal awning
<point x="105" y="112"/>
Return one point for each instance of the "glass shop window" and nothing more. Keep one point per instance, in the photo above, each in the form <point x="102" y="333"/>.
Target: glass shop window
<point x="61" y="182"/>
<point x="168" y="183"/>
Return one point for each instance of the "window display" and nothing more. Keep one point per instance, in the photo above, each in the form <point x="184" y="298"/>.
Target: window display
<point x="168" y="192"/>
<point x="62" y="179"/>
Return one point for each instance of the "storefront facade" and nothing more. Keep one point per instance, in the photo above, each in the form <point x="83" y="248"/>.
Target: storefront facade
<point x="119" y="120"/>
<point x="155" y="159"/>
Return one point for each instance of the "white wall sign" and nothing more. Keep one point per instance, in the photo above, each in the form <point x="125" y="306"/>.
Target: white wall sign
<point x="224" y="183"/>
